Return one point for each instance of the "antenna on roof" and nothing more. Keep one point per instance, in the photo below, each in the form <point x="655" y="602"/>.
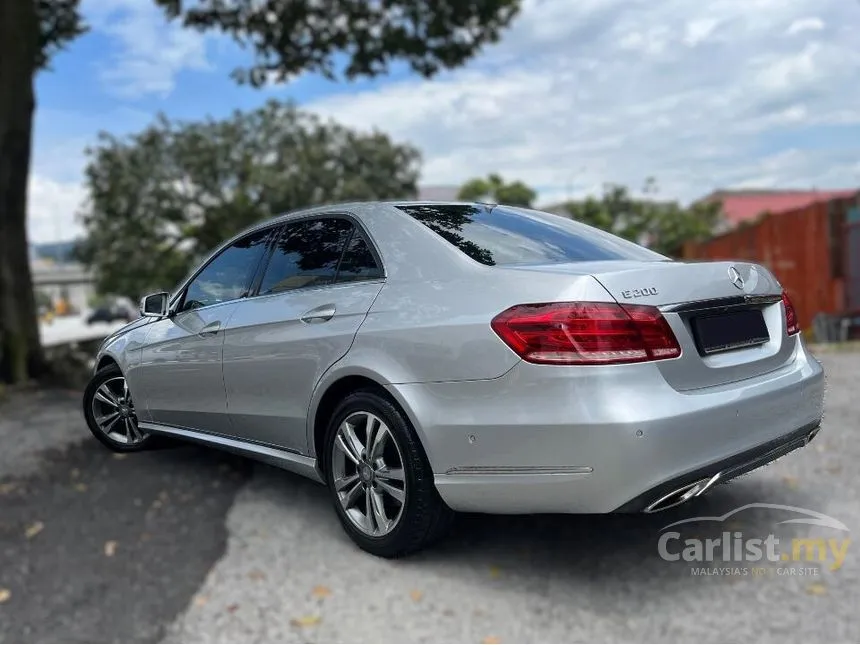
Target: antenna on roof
<point x="489" y="206"/>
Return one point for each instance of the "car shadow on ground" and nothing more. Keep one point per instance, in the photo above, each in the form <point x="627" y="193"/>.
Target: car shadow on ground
<point x="578" y="547"/>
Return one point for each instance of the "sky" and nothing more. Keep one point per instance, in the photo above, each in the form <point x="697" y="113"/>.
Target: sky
<point x="577" y="93"/>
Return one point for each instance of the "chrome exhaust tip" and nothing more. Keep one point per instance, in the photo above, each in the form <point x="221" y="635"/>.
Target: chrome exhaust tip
<point x="812" y="433"/>
<point x="681" y="495"/>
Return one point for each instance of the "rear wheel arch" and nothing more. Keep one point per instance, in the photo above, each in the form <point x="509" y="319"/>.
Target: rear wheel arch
<point x="336" y="392"/>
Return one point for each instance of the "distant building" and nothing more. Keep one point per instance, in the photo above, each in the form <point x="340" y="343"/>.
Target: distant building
<point x="746" y="205"/>
<point x="72" y="283"/>
<point x="438" y="193"/>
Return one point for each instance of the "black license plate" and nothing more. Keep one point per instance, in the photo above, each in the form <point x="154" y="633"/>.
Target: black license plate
<point x="731" y="330"/>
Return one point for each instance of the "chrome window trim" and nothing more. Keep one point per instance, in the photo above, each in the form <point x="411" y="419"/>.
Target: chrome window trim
<point x="280" y="293"/>
<point x="318" y="287"/>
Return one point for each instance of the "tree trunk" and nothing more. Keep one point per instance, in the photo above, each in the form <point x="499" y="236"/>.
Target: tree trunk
<point x="20" y="349"/>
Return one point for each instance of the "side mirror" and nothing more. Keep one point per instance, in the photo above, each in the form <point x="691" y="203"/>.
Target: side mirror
<point x="155" y="305"/>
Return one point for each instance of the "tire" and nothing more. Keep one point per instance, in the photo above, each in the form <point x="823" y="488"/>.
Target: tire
<point x="112" y="377"/>
<point x="423" y="517"/>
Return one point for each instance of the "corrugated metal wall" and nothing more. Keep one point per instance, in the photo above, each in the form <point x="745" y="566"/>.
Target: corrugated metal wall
<point x="807" y="249"/>
<point x="852" y="259"/>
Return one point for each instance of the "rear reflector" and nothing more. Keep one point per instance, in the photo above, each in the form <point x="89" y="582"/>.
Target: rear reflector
<point x="586" y="333"/>
<point x="791" y="326"/>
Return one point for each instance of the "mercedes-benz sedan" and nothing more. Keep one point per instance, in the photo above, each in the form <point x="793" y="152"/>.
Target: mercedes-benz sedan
<point x="420" y="358"/>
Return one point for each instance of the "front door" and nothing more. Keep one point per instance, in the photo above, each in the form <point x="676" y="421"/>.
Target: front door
<point x="181" y="369"/>
<point x="180" y="373"/>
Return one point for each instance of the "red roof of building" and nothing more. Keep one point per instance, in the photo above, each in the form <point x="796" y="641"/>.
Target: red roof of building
<point x="743" y="205"/>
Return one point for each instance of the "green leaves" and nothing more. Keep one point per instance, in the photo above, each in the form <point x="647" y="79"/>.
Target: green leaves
<point x="493" y="187"/>
<point x="662" y="226"/>
<point x="59" y="22"/>
<point x="289" y="37"/>
<point x="165" y="197"/>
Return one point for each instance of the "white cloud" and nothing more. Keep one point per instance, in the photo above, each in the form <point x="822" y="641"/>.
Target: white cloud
<point x="52" y="204"/>
<point x="698" y="95"/>
<point x="790" y="71"/>
<point x="698" y="31"/>
<point x="805" y="24"/>
<point x="55" y="190"/>
<point x="151" y="51"/>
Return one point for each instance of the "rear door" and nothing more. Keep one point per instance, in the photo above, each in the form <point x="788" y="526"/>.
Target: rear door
<point x="315" y="292"/>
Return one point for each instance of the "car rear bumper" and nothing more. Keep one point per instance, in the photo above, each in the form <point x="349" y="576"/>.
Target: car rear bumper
<point x="680" y="489"/>
<point x="547" y="439"/>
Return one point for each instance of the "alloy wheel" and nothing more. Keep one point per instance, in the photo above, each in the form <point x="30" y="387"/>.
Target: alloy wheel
<point x="114" y="414"/>
<point x="367" y="468"/>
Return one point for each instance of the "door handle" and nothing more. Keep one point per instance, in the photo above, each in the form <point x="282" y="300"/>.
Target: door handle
<point x="318" y="315"/>
<point x="211" y="329"/>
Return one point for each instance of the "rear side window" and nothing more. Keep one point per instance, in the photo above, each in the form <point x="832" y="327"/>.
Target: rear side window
<point x="358" y="262"/>
<point x="306" y="255"/>
<point x="503" y="235"/>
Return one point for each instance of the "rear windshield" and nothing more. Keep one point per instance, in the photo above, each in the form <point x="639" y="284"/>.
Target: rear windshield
<point x="503" y="235"/>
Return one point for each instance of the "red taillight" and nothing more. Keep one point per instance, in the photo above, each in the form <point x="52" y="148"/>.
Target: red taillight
<point x="586" y="333"/>
<point x="791" y="326"/>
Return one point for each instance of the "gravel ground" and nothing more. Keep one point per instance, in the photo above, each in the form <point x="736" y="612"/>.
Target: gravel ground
<point x="262" y="558"/>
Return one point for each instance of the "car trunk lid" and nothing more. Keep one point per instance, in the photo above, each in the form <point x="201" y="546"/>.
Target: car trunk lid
<point x="727" y="316"/>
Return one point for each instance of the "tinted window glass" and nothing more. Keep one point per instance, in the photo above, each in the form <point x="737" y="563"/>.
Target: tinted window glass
<point x="358" y="262"/>
<point x="306" y="255"/>
<point x="505" y="235"/>
<point x="228" y="276"/>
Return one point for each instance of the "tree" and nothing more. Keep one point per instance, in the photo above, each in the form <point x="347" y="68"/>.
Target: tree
<point x="31" y="31"/>
<point x="161" y="199"/>
<point x="494" y="188"/>
<point x="662" y="226"/>
<point x="287" y="37"/>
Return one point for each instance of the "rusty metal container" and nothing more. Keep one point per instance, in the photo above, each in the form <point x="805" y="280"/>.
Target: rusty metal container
<point x="814" y="251"/>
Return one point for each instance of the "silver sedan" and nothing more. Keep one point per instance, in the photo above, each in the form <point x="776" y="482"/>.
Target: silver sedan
<point x="424" y="358"/>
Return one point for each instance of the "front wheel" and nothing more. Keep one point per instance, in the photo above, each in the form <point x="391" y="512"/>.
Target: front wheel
<point x="379" y="478"/>
<point x="110" y="413"/>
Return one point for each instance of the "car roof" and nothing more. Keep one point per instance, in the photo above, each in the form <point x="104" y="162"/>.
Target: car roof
<point x="368" y="206"/>
<point x="357" y="208"/>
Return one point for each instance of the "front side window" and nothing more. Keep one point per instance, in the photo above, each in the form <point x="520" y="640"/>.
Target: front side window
<point x="502" y="235"/>
<point x="306" y="255"/>
<point x="228" y="276"/>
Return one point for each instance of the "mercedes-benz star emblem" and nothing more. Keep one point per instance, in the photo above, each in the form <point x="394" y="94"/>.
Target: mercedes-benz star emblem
<point x="736" y="278"/>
